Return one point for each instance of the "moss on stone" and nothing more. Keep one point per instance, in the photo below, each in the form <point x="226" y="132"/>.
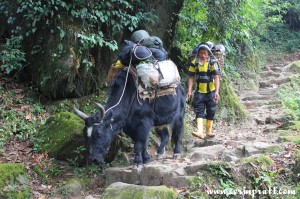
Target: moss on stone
<point x="292" y="138"/>
<point x="297" y="162"/>
<point x="40" y="173"/>
<point x="287" y="132"/>
<point x="13" y="176"/>
<point x="260" y="159"/>
<point x="265" y="159"/>
<point x="230" y="101"/>
<point x="297" y="125"/>
<point x="161" y="191"/>
<point x="295" y="66"/>
<point x="24" y="194"/>
<point x="62" y="134"/>
<point x="73" y="186"/>
<point x="273" y="149"/>
<point x="128" y="191"/>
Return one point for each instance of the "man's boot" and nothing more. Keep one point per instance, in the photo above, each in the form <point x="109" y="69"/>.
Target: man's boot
<point x="199" y="133"/>
<point x="209" y="124"/>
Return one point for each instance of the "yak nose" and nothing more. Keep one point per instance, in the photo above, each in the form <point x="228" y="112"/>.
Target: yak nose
<point x="96" y="161"/>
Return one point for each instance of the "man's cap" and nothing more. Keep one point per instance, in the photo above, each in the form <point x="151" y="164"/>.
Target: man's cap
<point x="203" y="46"/>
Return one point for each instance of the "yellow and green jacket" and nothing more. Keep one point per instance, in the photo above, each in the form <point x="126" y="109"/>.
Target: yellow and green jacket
<point x="204" y="75"/>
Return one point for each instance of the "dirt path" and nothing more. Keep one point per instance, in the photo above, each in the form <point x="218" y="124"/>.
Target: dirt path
<point x="254" y="137"/>
<point x="232" y="142"/>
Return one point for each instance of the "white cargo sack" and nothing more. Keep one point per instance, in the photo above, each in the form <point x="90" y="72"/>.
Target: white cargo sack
<point x="159" y="74"/>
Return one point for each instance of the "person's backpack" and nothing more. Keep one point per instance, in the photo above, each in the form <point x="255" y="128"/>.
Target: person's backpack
<point x="218" y="54"/>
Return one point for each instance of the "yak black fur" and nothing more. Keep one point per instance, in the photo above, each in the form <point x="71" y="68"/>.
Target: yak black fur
<point x="136" y="117"/>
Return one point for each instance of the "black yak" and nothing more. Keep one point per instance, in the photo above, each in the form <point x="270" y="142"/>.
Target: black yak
<point x="126" y="111"/>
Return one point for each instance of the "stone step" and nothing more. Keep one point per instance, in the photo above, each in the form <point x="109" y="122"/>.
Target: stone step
<point x="175" y="173"/>
<point x="252" y="148"/>
<point x="268" y="119"/>
<point x="272" y="74"/>
<point x="267" y="107"/>
<point x="277" y="69"/>
<point x="206" y="153"/>
<point x="279" y="81"/>
<point x="274" y="83"/>
<point x="253" y="104"/>
<point x="267" y="91"/>
<point x="265" y="84"/>
<point x="255" y="97"/>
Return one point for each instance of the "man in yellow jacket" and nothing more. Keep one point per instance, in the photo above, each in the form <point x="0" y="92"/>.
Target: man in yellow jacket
<point x="206" y="93"/>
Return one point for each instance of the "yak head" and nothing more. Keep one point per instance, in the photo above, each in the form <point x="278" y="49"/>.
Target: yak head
<point x="95" y="135"/>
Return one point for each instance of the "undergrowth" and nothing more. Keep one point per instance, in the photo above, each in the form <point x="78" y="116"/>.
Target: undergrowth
<point x="20" y="115"/>
<point x="290" y="97"/>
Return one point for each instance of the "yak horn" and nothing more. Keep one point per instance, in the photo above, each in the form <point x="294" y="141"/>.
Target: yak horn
<point x="82" y="115"/>
<point x="102" y="110"/>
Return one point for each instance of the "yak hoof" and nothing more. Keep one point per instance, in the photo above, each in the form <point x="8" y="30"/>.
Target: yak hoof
<point x="176" y="156"/>
<point x="137" y="167"/>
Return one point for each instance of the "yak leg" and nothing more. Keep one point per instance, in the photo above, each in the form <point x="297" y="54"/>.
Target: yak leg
<point x="140" y="145"/>
<point x="145" y="155"/>
<point x="163" y="133"/>
<point x="176" y="135"/>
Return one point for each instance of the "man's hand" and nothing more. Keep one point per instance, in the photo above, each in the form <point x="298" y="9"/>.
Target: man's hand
<point x="216" y="97"/>
<point x="190" y="87"/>
<point x="188" y="95"/>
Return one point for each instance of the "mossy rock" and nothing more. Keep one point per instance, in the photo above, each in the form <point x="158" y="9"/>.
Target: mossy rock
<point x="287" y="132"/>
<point x="13" y="178"/>
<point x="295" y="67"/>
<point x="229" y="106"/>
<point x="297" y="162"/>
<point x="273" y="149"/>
<point x="73" y="187"/>
<point x="291" y="138"/>
<point x="297" y="125"/>
<point x="121" y="190"/>
<point x="62" y="135"/>
<point x="263" y="160"/>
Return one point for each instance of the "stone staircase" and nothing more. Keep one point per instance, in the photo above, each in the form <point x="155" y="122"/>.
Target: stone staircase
<point x="230" y="144"/>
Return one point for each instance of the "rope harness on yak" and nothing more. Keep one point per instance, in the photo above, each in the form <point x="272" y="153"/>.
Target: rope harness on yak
<point x="152" y="79"/>
<point x="135" y="47"/>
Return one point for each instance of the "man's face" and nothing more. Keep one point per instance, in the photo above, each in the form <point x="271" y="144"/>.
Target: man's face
<point x="203" y="54"/>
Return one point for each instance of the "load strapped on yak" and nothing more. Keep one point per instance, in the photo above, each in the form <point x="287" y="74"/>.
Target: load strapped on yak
<point x="146" y="59"/>
<point x="216" y="54"/>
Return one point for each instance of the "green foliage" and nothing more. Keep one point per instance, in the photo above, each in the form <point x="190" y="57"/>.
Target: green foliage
<point x="98" y="22"/>
<point x="79" y="151"/>
<point x="90" y="170"/>
<point x="222" y="172"/>
<point x="218" y="176"/>
<point x="239" y="25"/>
<point x="20" y="116"/>
<point x="14" y="181"/>
<point x="282" y="39"/>
<point x="11" y="55"/>
<point x="229" y="22"/>
<point x="259" y="172"/>
<point x="290" y="97"/>
<point x="40" y="173"/>
<point x="297" y="163"/>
